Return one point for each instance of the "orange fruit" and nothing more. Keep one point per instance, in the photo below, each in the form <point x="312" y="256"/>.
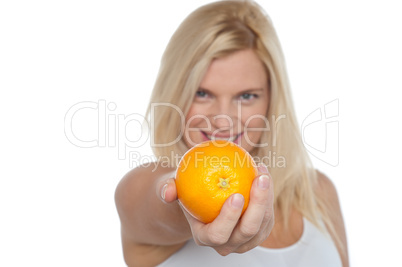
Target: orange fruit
<point x="209" y="173"/>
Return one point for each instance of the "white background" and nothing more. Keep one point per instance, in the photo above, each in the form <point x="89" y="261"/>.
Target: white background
<point x="56" y="199"/>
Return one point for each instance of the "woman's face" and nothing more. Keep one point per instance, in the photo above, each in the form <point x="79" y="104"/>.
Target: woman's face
<point x="231" y="102"/>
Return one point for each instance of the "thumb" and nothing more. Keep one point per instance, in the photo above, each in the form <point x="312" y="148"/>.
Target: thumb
<point x="168" y="191"/>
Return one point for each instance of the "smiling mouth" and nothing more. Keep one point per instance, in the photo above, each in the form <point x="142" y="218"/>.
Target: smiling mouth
<point x="232" y="138"/>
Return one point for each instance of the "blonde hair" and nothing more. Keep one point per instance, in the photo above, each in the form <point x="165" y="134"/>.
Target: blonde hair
<point x="213" y="31"/>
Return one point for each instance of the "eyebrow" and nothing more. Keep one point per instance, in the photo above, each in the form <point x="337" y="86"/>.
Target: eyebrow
<point x="240" y="92"/>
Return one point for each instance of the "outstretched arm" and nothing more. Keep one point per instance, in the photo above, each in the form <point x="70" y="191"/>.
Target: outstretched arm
<point x="154" y="226"/>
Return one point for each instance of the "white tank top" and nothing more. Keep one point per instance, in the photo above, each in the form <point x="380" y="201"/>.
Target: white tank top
<point x="314" y="249"/>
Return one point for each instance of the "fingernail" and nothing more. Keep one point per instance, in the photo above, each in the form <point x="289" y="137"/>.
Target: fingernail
<point x="163" y="191"/>
<point x="237" y="201"/>
<point x="263" y="182"/>
<point x="262" y="168"/>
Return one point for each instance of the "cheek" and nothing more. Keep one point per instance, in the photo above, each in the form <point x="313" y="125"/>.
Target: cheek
<point x="195" y="121"/>
<point x="190" y="113"/>
<point x="195" y="112"/>
<point x="255" y="123"/>
<point x="255" y="118"/>
<point x="256" y="126"/>
<point x="190" y="118"/>
<point x="194" y="117"/>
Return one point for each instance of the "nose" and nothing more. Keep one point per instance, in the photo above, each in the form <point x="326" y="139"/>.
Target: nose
<point x="223" y="122"/>
<point x="225" y="115"/>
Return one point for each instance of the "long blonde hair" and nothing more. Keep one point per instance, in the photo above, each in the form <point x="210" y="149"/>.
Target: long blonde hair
<point x="213" y="31"/>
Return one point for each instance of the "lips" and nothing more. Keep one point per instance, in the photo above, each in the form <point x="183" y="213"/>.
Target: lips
<point x="230" y="138"/>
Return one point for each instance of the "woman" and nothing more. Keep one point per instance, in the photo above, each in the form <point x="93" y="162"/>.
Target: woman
<point x="223" y="76"/>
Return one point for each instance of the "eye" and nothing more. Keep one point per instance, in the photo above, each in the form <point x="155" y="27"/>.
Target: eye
<point x="248" y="96"/>
<point x="201" y="94"/>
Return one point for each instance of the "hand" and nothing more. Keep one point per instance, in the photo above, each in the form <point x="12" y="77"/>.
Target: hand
<point x="230" y="233"/>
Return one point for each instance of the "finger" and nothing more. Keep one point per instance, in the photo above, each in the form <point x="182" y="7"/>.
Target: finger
<point x="168" y="191"/>
<point x="195" y="224"/>
<point x="260" y="203"/>
<point x="266" y="229"/>
<point x="262" y="169"/>
<point x="219" y="231"/>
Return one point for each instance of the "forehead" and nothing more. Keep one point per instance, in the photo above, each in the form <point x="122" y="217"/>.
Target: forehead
<point x="242" y="70"/>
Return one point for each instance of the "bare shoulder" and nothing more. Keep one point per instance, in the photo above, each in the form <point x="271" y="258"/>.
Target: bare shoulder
<point x="328" y="195"/>
<point x="327" y="192"/>
<point x="325" y="188"/>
